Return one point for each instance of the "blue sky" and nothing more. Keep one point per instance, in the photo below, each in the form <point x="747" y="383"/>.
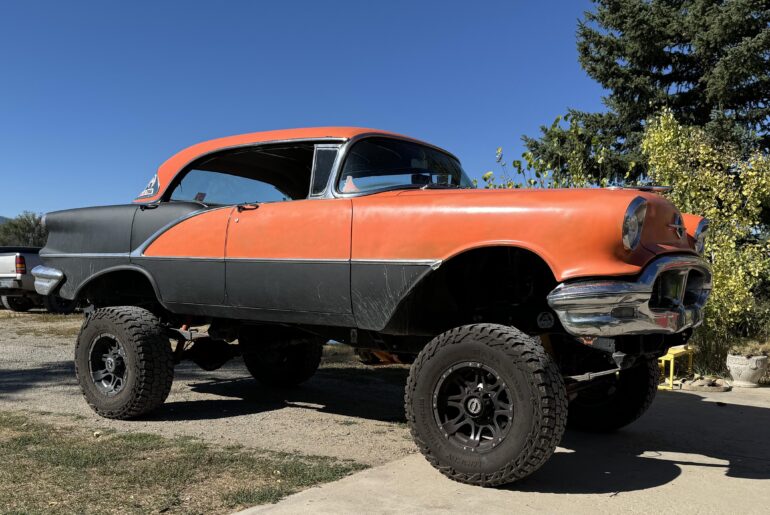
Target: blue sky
<point x="95" y="95"/>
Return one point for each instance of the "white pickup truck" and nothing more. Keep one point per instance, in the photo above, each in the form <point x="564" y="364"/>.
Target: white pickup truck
<point x="17" y="284"/>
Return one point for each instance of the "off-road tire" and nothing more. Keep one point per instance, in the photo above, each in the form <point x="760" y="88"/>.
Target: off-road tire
<point x="284" y="364"/>
<point x="626" y="399"/>
<point x="149" y="361"/>
<point x="538" y="397"/>
<point x="18" y="304"/>
<point x="58" y="305"/>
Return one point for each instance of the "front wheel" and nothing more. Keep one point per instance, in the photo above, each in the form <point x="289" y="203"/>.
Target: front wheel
<point x="123" y="362"/>
<point x="616" y="401"/>
<point x="485" y="404"/>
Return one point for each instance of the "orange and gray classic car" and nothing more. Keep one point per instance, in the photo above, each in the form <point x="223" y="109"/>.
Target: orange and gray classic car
<point x="524" y="310"/>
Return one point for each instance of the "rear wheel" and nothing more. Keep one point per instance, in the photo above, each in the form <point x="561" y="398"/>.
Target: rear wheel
<point x="18" y="304"/>
<point x="617" y="401"/>
<point x="485" y="404"/>
<point x="281" y="362"/>
<point x="54" y="304"/>
<point x="123" y="362"/>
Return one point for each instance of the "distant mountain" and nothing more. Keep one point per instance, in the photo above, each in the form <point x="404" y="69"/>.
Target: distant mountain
<point x="3" y="220"/>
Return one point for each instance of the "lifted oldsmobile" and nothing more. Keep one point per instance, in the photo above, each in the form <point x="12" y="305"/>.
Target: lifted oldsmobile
<point x="527" y="310"/>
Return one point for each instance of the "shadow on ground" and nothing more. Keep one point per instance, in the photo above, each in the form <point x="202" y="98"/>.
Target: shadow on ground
<point x="371" y="393"/>
<point x="705" y="433"/>
<point x="56" y="373"/>
<point x="688" y="428"/>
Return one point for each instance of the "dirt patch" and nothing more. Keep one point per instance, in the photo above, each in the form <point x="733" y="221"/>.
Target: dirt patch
<point x="346" y="411"/>
<point x="41" y="325"/>
<point x="51" y="469"/>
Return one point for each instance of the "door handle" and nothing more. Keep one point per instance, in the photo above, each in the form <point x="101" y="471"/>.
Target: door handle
<point x="247" y="207"/>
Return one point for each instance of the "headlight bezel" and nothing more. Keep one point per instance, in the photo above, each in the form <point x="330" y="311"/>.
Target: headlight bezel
<point x="699" y="236"/>
<point x="633" y="223"/>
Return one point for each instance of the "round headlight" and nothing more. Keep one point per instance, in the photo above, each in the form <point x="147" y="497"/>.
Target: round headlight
<point x="633" y="221"/>
<point x="700" y="236"/>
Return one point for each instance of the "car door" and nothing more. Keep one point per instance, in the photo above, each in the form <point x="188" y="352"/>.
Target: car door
<point x="291" y="259"/>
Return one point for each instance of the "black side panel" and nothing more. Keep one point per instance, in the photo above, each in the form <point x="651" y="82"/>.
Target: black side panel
<point x="83" y="242"/>
<point x="148" y="221"/>
<point x="78" y="270"/>
<point x="89" y="230"/>
<point x="320" y="287"/>
<point x="192" y="281"/>
<point x="264" y="315"/>
<point x="378" y="288"/>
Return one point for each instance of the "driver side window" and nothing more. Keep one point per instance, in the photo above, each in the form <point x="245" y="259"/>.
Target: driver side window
<point x="217" y="188"/>
<point x="268" y="173"/>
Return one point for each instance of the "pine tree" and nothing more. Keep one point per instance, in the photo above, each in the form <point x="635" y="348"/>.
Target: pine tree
<point x="708" y="61"/>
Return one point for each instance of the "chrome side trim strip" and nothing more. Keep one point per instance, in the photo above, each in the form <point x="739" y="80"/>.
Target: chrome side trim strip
<point x="89" y="255"/>
<point x="433" y="263"/>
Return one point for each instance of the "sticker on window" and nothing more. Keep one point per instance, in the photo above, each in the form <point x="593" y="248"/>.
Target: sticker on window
<point x="200" y="196"/>
<point x="151" y="189"/>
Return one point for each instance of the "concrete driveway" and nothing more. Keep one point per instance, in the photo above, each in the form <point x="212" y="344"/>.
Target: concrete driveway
<point x="691" y="453"/>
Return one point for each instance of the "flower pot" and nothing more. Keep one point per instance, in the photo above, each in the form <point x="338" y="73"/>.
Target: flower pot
<point x="746" y="371"/>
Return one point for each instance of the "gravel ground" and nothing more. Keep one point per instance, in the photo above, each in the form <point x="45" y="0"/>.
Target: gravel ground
<point x="347" y="410"/>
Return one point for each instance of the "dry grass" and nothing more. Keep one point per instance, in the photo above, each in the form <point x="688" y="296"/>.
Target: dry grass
<point x="49" y="469"/>
<point x="42" y="325"/>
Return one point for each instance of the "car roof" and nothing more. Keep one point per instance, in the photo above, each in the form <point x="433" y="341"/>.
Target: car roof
<point x="173" y="165"/>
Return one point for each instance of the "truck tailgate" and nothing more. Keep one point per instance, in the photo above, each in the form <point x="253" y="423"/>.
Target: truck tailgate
<point x="9" y="275"/>
<point x="8" y="266"/>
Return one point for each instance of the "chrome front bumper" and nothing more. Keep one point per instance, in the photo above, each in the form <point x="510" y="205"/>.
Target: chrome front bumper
<point x="668" y="297"/>
<point x="46" y="279"/>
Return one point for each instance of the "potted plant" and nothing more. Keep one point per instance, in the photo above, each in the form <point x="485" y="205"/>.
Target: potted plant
<point x="747" y="364"/>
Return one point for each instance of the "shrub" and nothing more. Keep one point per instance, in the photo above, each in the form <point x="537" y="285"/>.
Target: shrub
<point x="714" y="180"/>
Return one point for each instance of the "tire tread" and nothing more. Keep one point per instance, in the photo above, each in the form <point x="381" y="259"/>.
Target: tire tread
<point x="155" y="362"/>
<point x="552" y="401"/>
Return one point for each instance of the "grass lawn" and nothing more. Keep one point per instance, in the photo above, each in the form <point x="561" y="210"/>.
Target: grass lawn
<point x="49" y="469"/>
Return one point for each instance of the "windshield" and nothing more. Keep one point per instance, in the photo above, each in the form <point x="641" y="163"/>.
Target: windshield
<point x="376" y="164"/>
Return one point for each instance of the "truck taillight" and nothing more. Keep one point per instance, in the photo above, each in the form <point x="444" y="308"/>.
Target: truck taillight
<point x="21" y="265"/>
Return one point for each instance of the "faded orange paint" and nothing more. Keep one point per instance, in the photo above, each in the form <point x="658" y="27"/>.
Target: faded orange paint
<point x="202" y="235"/>
<point x="577" y="232"/>
<point x="691" y="223"/>
<point x="299" y="229"/>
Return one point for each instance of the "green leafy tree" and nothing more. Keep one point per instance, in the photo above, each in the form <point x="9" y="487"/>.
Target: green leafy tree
<point x="24" y="230"/>
<point x="705" y="60"/>
<point x="715" y="179"/>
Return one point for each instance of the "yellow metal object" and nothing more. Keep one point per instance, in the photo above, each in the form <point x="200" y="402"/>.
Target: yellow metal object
<point x="673" y="353"/>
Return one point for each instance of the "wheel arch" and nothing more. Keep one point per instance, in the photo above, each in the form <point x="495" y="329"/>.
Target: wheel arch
<point x="120" y="275"/>
<point x="426" y="306"/>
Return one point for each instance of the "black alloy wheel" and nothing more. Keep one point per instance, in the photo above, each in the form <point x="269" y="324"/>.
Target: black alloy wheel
<point x="486" y="405"/>
<point x="473" y="406"/>
<point x="107" y="364"/>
